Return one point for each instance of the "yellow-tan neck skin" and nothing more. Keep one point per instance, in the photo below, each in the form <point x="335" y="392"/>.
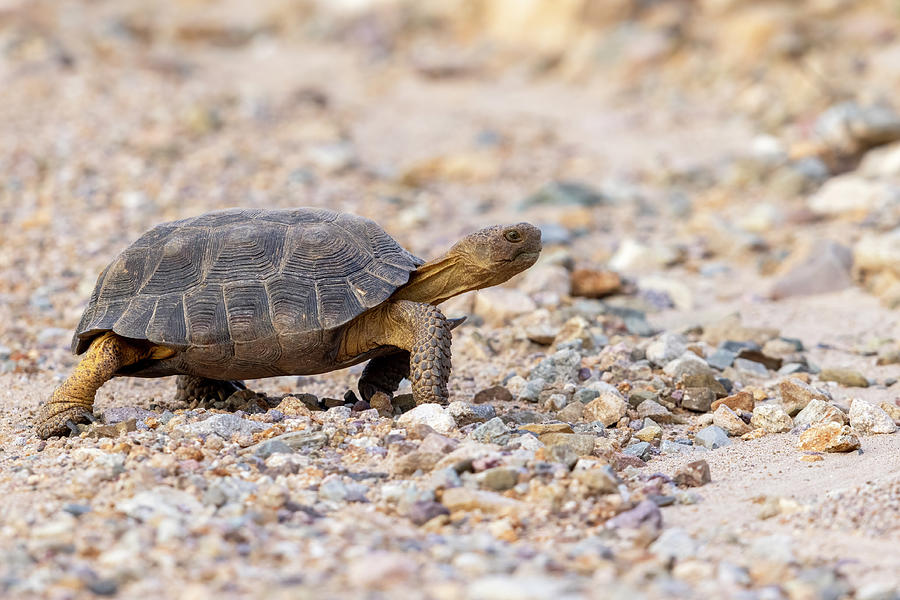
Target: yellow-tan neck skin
<point x="440" y="279"/>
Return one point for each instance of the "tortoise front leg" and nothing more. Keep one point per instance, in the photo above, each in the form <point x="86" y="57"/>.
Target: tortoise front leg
<point x="384" y="374"/>
<point x="73" y="401"/>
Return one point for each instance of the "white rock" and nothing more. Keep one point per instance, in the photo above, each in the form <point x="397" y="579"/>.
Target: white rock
<point x="869" y="419"/>
<point x="498" y="305"/>
<point x="687" y="364"/>
<point x="818" y="411"/>
<point x="877" y="252"/>
<point x="852" y="194"/>
<point x="771" y="418"/>
<point x="432" y="415"/>
<point x="633" y="256"/>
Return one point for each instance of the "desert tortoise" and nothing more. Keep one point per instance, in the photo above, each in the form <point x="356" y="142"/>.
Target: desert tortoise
<point x="241" y="294"/>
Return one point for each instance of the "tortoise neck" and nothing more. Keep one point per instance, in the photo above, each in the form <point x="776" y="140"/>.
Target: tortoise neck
<point x="437" y="280"/>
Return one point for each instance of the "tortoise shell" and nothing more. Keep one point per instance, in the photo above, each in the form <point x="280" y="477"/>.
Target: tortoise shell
<point x="241" y="275"/>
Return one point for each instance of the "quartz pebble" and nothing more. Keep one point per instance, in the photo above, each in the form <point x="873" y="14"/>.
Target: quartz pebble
<point x="868" y="419"/>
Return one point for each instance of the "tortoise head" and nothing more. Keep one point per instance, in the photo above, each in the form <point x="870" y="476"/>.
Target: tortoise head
<point x="494" y="254"/>
<point x="479" y="260"/>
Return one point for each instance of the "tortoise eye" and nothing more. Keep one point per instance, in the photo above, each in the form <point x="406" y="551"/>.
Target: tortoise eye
<point x="513" y="236"/>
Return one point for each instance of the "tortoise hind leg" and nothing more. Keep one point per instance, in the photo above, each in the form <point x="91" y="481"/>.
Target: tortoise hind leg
<point x="73" y="401"/>
<point x="200" y="391"/>
<point x="383" y="374"/>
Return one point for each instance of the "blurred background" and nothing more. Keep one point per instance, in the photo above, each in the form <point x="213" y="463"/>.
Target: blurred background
<point x="726" y="141"/>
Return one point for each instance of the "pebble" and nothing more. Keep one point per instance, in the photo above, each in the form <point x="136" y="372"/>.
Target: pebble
<point x="516" y="587"/>
<point x="608" y="408"/>
<point x="302" y="440"/>
<point x="771" y="418"/>
<point x="433" y="415"/>
<point x="868" y="419"/>
<point x="558" y="368"/>
<point x="674" y="544"/>
<point x="600" y="480"/>
<point x="465" y="499"/>
<point x="649" y="433"/>
<point x="697" y="399"/>
<point x="721" y="359"/>
<point x="712" y="437"/>
<point x="687" y="364"/>
<point x="645" y="516"/>
<point x="160" y="502"/>
<point x="851" y="127"/>
<point x="422" y="511"/>
<point x="464" y="413"/>
<point x="591" y="283"/>
<point x="563" y="193"/>
<point x="493" y="431"/>
<point x="547" y="278"/>
<point x="693" y="474"/>
<point x="639" y="449"/>
<point x="497" y="393"/>
<point x="556" y="402"/>
<point x="828" y="437"/>
<point x="728" y="420"/>
<point x="666" y="348"/>
<point x="818" y="411"/>
<point x="500" y="305"/>
<point x="120" y="414"/>
<point x="224" y="425"/>
<point x="571" y="413"/>
<point x="581" y="443"/>
<point x="499" y="479"/>
<point x="750" y="368"/>
<point x="270" y="447"/>
<point x="656" y="411"/>
<point x="796" y="394"/>
<point x="826" y="269"/>
<point x="334" y="489"/>
<point x="742" y="401"/>
<point x="844" y="376"/>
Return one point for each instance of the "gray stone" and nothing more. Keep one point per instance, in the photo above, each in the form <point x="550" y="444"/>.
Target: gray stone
<point x="674" y="543"/>
<point x="656" y="411"/>
<point x="223" y="425"/>
<point x="303" y="440"/>
<point x="639" y="449"/>
<point x="492" y="432"/>
<point x="585" y="395"/>
<point x="638" y="396"/>
<point x="270" y="447"/>
<point x="566" y="193"/>
<point x="334" y="489"/>
<point x="464" y="413"/>
<point x="687" y="364"/>
<point x="721" y="359"/>
<point x="531" y="391"/>
<point x="120" y="414"/>
<point x="645" y="516"/>
<point x="750" y="367"/>
<point x="666" y="348"/>
<point x="670" y="447"/>
<point x="422" y="511"/>
<point x="228" y="489"/>
<point x="558" y="368"/>
<point x="556" y="402"/>
<point x="712" y="437"/>
<point x="160" y="502"/>
<point x="825" y="269"/>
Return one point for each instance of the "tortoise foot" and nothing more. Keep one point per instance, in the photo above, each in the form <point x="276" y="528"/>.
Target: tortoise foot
<point x="200" y="391"/>
<point x="61" y="416"/>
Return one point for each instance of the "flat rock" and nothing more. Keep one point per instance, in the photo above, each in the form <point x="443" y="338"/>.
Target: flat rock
<point x="869" y="419"/>
<point x="224" y="425"/>
<point x="771" y="418"/>
<point x="581" y="443"/>
<point x="542" y="428"/>
<point x="433" y="415"/>
<point x="845" y="377"/>
<point x="461" y="498"/>
<point x="464" y="413"/>
<point x="497" y="393"/>
<point x="818" y="411"/>
<point x="828" y="437"/>
<point x="656" y="411"/>
<point x="592" y="283"/>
